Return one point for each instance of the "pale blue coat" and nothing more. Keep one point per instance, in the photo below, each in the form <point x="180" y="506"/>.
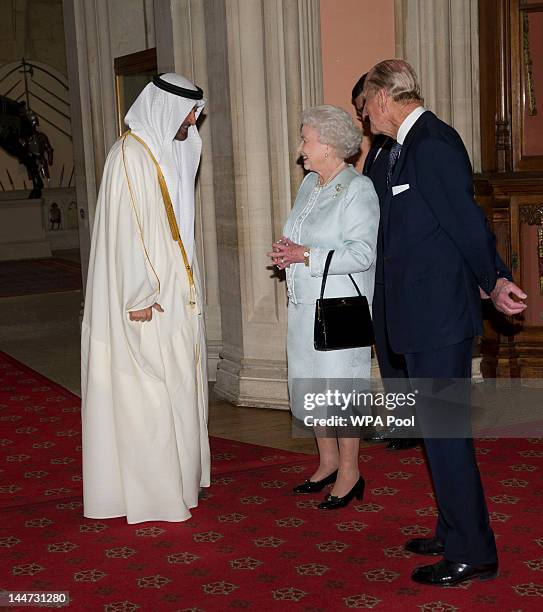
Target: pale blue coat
<point x="344" y="216"/>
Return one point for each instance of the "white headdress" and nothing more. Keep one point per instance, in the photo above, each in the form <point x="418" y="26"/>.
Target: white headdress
<point x="155" y="117"/>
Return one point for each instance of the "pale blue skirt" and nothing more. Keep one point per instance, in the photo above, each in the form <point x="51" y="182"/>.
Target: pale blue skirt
<point x="304" y="362"/>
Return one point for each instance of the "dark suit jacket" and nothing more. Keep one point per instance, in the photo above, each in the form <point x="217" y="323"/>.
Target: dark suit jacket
<point x="437" y="246"/>
<point x="375" y="167"/>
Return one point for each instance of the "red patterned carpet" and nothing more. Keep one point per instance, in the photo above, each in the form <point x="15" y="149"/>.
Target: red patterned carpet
<point x="251" y="544"/>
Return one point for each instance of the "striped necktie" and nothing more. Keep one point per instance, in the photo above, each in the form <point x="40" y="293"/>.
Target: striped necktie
<point x="393" y="158"/>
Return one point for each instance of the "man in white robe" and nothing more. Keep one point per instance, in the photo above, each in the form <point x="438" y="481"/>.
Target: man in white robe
<point x="143" y="357"/>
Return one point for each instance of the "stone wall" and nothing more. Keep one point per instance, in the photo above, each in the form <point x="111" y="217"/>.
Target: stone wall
<point x="32" y="29"/>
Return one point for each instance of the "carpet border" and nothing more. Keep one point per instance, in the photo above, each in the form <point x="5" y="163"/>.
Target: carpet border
<point x="47" y="380"/>
<point x="37" y="374"/>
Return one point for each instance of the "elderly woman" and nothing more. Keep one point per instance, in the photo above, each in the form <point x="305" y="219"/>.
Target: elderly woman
<point x="336" y="208"/>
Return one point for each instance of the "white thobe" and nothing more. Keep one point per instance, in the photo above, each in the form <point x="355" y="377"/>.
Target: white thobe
<point x="144" y="385"/>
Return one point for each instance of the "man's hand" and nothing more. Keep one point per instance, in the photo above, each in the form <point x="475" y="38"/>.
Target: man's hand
<point x="501" y="297"/>
<point x="146" y="314"/>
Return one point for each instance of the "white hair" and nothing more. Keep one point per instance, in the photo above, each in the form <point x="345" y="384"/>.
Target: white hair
<point x="335" y="128"/>
<point x="397" y="78"/>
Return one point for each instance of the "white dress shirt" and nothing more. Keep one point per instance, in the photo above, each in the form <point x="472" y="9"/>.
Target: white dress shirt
<point x="408" y="123"/>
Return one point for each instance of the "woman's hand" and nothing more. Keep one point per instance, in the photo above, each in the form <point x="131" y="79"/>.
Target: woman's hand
<point x="285" y="252"/>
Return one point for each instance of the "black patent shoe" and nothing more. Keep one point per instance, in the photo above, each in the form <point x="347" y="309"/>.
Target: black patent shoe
<point x="331" y="502"/>
<point x="315" y="486"/>
<point x="448" y="573"/>
<point x="425" y="546"/>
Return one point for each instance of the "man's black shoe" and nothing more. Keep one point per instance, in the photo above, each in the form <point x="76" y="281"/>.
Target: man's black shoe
<point x="402" y="443"/>
<point x="425" y="546"/>
<point x="375" y="436"/>
<point x="447" y="573"/>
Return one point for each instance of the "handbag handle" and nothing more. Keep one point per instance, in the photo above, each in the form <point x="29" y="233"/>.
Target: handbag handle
<point x="325" y="275"/>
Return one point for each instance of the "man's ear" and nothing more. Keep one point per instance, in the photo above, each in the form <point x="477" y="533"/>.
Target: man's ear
<point x="382" y="99"/>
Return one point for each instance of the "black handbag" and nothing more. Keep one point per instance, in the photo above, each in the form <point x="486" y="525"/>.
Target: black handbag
<point x="342" y="322"/>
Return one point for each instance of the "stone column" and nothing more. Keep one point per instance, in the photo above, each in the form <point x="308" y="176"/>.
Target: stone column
<point x="257" y="88"/>
<point x="440" y="39"/>
<point x="181" y="47"/>
<point x="92" y="99"/>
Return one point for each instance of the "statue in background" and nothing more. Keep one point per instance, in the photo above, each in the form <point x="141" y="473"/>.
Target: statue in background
<point x="20" y="137"/>
<point x="55" y="217"/>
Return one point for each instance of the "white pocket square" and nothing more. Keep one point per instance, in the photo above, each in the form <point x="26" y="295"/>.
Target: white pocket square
<point x="396" y="189"/>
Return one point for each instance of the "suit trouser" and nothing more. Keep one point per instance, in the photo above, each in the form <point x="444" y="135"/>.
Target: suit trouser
<point x="463" y="522"/>
<point x="391" y="365"/>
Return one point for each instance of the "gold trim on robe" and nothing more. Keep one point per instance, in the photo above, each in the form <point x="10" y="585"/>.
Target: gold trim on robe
<point x="170" y="213"/>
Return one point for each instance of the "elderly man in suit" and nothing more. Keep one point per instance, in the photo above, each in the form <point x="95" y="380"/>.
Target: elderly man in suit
<point x="439" y="259"/>
<point x="390" y="364"/>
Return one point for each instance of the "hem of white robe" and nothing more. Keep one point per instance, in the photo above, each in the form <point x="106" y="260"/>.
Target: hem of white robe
<point x="185" y="517"/>
<point x="142" y="520"/>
